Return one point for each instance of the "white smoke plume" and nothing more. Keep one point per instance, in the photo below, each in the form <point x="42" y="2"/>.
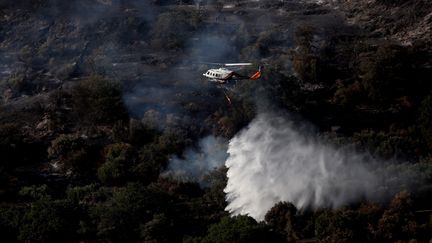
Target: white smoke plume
<point x="274" y="160"/>
<point x="197" y="162"/>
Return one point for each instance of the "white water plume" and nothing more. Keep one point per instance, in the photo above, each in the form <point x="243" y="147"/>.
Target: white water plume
<point x="273" y="160"/>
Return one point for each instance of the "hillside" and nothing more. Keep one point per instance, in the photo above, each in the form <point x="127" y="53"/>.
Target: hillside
<point x="406" y="21"/>
<point x="110" y="133"/>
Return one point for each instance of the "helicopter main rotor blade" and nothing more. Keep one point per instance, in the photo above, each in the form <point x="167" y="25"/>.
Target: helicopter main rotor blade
<point x="226" y="64"/>
<point x="238" y="64"/>
<point x="210" y="63"/>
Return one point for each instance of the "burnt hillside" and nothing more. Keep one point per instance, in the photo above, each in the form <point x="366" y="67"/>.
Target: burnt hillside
<point x="110" y="133"/>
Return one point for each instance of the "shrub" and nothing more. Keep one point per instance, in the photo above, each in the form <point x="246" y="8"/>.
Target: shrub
<point x="63" y="144"/>
<point x="398" y="222"/>
<point x="240" y="229"/>
<point x="343" y="225"/>
<point x="139" y="133"/>
<point x="151" y="161"/>
<point x="10" y="221"/>
<point x="35" y="192"/>
<point x="71" y="154"/>
<point x="282" y="217"/>
<point x="396" y="143"/>
<point x="81" y="194"/>
<point x="155" y="230"/>
<point x="98" y="100"/>
<point x="173" y="28"/>
<point x="118" y="219"/>
<point x="118" y="160"/>
<point x="216" y="180"/>
<point x="348" y="95"/>
<point x="49" y="221"/>
<point x="384" y="73"/>
<point x="304" y="58"/>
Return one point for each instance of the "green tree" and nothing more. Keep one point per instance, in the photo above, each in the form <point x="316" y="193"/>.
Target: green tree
<point x="216" y="181"/>
<point x="304" y="58"/>
<point x="384" y="73"/>
<point x="119" y="217"/>
<point x="397" y="222"/>
<point x="155" y="230"/>
<point x="240" y="229"/>
<point x="119" y="158"/>
<point x="49" y="221"/>
<point x="98" y="100"/>
<point x="70" y="153"/>
<point x="140" y="134"/>
<point x="35" y="192"/>
<point x="150" y="164"/>
<point x="282" y="217"/>
<point x="10" y="221"/>
<point x="342" y="225"/>
<point x="173" y="28"/>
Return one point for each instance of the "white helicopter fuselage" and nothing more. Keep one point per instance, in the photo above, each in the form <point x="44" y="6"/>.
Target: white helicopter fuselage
<point x="220" y="75"/>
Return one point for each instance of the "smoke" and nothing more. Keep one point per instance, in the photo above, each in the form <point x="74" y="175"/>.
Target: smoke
<point x="176" y="83"/>
<point x="197" y="162"/>
<point x="274" y="160"/>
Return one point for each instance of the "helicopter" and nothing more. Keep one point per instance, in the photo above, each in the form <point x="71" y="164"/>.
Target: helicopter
<point x="223" y="75"/>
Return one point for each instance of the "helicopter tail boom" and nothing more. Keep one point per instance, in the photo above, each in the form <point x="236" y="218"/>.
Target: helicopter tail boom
<point x="257" y="75"/>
